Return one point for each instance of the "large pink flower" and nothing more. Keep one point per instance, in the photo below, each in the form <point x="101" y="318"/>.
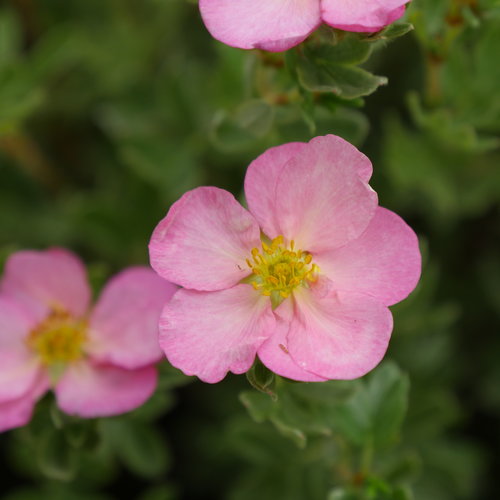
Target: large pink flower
<point x="303" y="279"/>
<point x="99" y="362"/>
<point x="277" y="25"/>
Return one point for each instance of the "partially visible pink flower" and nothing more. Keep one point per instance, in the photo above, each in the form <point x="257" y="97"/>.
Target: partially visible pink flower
<point x="303" y="279"/>
<point x="98" y="361"/>
<point x="277" y="25"/>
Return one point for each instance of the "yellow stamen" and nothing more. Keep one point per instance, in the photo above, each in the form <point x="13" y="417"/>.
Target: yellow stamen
<point x="58" y="339"/>
<point x="278" y="269"/>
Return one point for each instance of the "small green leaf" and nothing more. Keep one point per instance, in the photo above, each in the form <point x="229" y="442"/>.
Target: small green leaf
<point x="393" y="31"/>
<point x="345" y="81"/>
<point x="81" y="433"/>
<point x="350" y="50"/>
<point x="261" y="378"/>
<point x="55" y="458"/>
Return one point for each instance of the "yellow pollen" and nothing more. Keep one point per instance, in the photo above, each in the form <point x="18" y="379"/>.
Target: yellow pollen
<point x="58" y="339"/>
<point x="278" y="269"/>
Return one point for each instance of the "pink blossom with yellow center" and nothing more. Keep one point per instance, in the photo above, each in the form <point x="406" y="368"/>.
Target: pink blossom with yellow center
<point x="278" y="25"/>
<point x="99" y="361"/>
<point x="303" y="278"/>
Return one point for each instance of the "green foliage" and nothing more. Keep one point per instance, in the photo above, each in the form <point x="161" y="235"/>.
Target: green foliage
<point x="251" y="121"/>
<point x="332" y="68"/>
<point x="393" y="31"/>
<point x="368" y="413"/>
<point x="375" y="413"/>
<point x="140" y="447"/>
<point x="262" y="379"/>
<point x="55" y="457"/>
<point x="344" y="81"/>
<point x="110" y="111"/>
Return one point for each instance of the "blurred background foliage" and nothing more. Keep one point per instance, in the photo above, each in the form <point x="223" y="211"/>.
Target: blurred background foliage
<point x="110" y="110"/>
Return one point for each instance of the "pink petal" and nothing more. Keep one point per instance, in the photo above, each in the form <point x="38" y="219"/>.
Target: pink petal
<point x="210" y="333"/>
<point x="260" y="184"/>
<point x="42" y="280"/>
<point x="18" y="366"/>
<point x="204" y="240"/>
<point x="274" y="352"/>
<point x="264" y="24"/>
<point x="341" y="335"/>
<point x="263" y="174"/>
<point x="361" y="15"/>
<point x="18" y="412"/>
<point x="383" y="262"/>
<point x="322" y="198"/>
<point x="91" y="390"/>
<point x="124" y="324"/>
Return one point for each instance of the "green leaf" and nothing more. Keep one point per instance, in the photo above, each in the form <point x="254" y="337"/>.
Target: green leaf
<point x="261" y="378"/>
<point x="299" y="409"/>
<point x="261" y="407"/>
<point x="55" y="458"/>
<point x="393" y="31"/>
<point x="81" y="434"/>
<point x="350" y="50"/>
<point x="345" y="81"/>
<point x="375" y="413"/>
<point x="250" y="122"/>
<point x="140" y="447"/>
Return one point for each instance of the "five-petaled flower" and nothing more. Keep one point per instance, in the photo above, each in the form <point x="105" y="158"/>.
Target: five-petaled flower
<point x="98" y="362"/>
<point x="303" y="279"/>
<point x="278" y="25"/>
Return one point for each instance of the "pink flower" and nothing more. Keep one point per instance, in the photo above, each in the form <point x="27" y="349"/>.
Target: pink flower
<point x="98" y="362"/>
<point x="303" y="279"/>
<point x="280" y="24"/>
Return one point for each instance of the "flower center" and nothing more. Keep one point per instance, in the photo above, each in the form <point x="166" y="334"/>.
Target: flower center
<point x="58" y="339"/>
<point x="277" y="270"/>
